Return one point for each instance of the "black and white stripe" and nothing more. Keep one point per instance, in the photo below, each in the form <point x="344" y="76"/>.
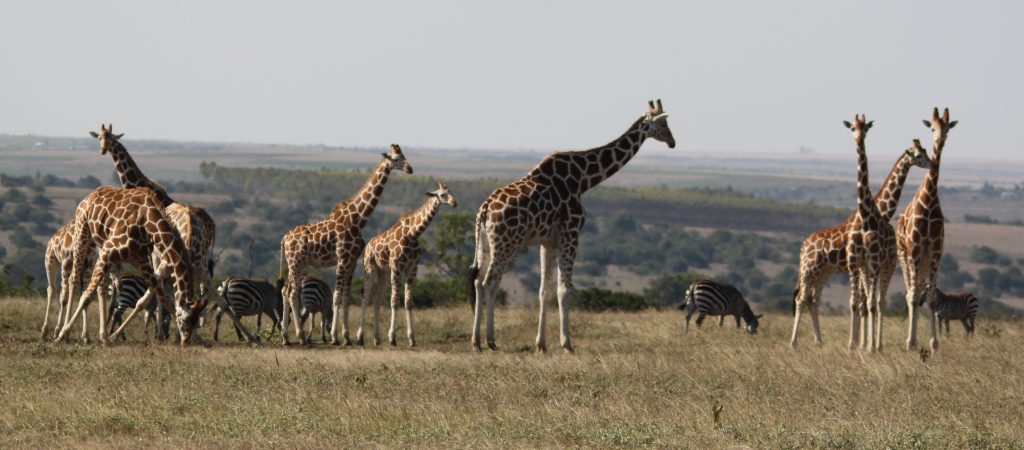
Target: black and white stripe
<point x="316" y="298"/>
<point x="248" y="297"/>
<point x="962" y="306"/>
<point x="125" y="294"/>
<point x="707" y="297"/>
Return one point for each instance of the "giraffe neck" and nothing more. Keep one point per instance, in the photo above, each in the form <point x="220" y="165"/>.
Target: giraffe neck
<point x="173" y="254"/>
<point x="423" y="215"/>
<point x="930" y="187"/>
<point x="865" y="202"/>
<point x="889" y="196"/>
<point x="580" y="171"/>
<point x="366" y="197"/>
<point x="132" y="177"/>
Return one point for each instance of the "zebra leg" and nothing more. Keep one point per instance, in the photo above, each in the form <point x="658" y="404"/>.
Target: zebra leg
<point x="737" y="321"/>
<point x="721" y="320"/>
<point x="216" y="326"/>
<point x="238" y="332"/>
<point x="969" y="326"/>
<point x="700" y="319"/>
<point x="688" y="315"/>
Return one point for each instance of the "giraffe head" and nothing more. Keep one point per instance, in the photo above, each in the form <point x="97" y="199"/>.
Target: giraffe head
<point x="396" y="159"/>
<point x="443" y="194"/>
<point x="919" y="156"/>
<point x="656" y="120"/>
<point x="107" y="138"/>
<point x="859" y="127"/>
<point x="940" y="126"/>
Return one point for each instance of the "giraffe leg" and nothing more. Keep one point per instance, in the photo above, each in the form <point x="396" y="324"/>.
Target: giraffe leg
<point x="396" y="282"/>
<point x="871" y="306"/>
<point x="367" y="293"/>
<point x="566" y="290"/>
<point x="488" y="289"/>
<point x="931" y="292"/>
<point x="814" y="315"/>
<point x="84" y="300"/>
<point x="801" y="300"/>
<point x="915" y="287"/>
<point x="409" y="283"/>
<point x="138" y="306"/>
<point x="52" y="267"/>
<point x="855" y="302"/>
<point x="344" y="287"/>
<point x="883" y="292"/>
<point x="291" y="304"/>
<point x="547" y="290"/>
<point x="378" y="292"/>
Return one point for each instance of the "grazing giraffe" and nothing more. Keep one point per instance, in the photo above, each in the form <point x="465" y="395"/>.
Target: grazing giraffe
<point x="396" y="252"/>
<point x="59" y="251"/>
<point x="869" y="238"/>
<point x="128" y="226"/>
<point x="334" y="240"/>
<point x="545" y="208"/>
<point x="824" y="251"/>
<point x="921" y="232"/>
<point x="195" y="226"/>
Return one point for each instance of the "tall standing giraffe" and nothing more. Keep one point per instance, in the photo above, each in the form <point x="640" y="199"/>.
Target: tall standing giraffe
<point x="195" y="226"/>
<point x="396" y="252"/>
<point x="869" y="237"/>
<point x="545" y="208"/>
<point x="128" y="226"/>
<point x="334" y="240"/>
<point x="824" y="251"/>
<point x="922" y="231"/>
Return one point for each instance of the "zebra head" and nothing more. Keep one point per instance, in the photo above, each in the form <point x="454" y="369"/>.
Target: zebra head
<point x="752" y="324"/>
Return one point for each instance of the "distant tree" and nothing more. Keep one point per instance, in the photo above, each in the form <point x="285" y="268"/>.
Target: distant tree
<point x="42" y="201"/>
<point x="14" y="195"/>
<point x="88" y="181"/>
<point x="21" y="238"/>
<point x="669" y="289"/>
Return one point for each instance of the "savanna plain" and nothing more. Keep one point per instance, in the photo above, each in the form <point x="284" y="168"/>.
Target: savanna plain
<point x="637" y="380"/>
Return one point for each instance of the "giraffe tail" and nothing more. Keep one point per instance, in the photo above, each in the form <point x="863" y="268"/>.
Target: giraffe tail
<point x="478" y="257"/>
<point x="281" y="266"/>
<point x="796" y="292"/>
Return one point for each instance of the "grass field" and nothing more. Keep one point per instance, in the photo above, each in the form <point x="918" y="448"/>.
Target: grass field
<point x="636" y="381"/>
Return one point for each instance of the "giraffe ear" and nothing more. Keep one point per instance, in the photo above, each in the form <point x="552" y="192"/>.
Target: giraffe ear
<point x="94" y="134"/>
<point x="847" y="124"/>
<point x="118" y="136"/>
<point x="953" y="123"/>
<point x="869" y="125"/>
<point x="387" y="156"/>
<point x="927" y="124"/>
<point x="430" y="194"/>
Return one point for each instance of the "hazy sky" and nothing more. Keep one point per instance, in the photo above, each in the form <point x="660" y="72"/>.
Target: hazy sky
<point x="735" y="76"/>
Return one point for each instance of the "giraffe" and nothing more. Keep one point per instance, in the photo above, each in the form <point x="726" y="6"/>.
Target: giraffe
<point x="921" y="233"/>
<point x="194" y="224"/>
<point x="396" y="252"/>
<point x="869" y="238"/>
<point x="334" y="240"/>
<point x="58" y="258"/>
<point x="824" y="251"/>
<point x="128" y="226"/>
<point x="545" y="208"/>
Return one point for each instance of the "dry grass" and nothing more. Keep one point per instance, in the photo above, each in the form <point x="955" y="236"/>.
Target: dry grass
<point x="637" y="381"/>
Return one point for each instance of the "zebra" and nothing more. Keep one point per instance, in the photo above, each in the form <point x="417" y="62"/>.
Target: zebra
<point x="962" y="306"/>
<point x="125" y="294"/>
<point x="709" y="297"/>
<point x="248" y="297"/>
<point x="316" y="298"/>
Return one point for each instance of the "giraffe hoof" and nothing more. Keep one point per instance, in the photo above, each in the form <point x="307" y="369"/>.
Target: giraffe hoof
<point x="412" y="344"/>
<point x="568" y="349"/>
<point x="491" y="345"/>
<point x="359" y="341"/>
<point x="542" y="348"/>
<point x="335" y="342"/>
<point x="476" y="347"/>
<point x="346" y="343"/>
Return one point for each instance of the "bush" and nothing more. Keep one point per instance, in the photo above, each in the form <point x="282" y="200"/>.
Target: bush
<point x="597" y="299"/>
<point x="14" y="195"/>
<point x="669" y="289"/>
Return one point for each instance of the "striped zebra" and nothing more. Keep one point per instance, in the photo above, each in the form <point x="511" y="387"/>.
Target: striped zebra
<point x="315" y="297"/>
<point x="707" y="297"/>
<point x="962" y="306"/>
<point x="248" y="297"/>
<point x="125" y="294"/>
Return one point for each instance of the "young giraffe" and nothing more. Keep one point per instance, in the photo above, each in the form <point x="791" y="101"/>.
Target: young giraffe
<point x="545" y="208"/>
<point x="824" y="252"/>
<point x="58" y="261"/>
<point x="194" y="224"/>
<point x="335" y="240"/>
<point x="128" y="226"/>
<point x="869" y="238"/>
<point x="396" y="252"/>
<point x="921" y="232"/>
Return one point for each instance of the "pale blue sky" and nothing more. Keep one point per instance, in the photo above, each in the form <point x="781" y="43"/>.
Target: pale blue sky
<point x="736" y="76"/>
